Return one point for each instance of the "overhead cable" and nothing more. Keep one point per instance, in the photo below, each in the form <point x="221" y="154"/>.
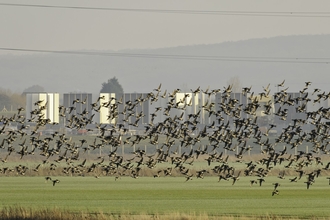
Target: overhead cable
<point x="179" y="11"/>
<point x="311" y="60"/>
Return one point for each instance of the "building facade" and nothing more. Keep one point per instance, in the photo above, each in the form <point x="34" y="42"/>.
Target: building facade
<point x="44" y="105"/>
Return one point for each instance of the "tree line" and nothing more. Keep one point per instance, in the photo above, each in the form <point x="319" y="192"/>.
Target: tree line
<point x="10" y="101"/>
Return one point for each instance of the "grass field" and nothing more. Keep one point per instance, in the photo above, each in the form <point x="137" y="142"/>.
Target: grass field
<point x="166" y="195"/>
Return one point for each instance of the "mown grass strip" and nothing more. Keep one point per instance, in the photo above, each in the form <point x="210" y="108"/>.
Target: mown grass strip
<point x="168" y="195"/>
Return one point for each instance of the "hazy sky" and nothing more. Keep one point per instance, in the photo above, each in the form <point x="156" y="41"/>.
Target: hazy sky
<point x="72" y="29"/>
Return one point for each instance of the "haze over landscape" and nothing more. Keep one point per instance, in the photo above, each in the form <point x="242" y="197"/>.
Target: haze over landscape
<point x="180" y="44"/>
<point x="255" y="124"/>
<point x="85" y="73"/>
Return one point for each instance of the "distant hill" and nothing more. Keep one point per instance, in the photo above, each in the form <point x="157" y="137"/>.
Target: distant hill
<point x="84" y="73"/>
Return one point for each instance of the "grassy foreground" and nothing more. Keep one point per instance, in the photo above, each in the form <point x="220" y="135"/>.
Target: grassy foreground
<point x="166" y="196"/>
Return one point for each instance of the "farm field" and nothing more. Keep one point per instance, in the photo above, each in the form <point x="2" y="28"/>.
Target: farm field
<point x="238" y="168"/>
<point x="166" y="195"/>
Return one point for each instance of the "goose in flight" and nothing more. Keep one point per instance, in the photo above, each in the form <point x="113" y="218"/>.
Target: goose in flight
<point x="47" y="178"/>
<point x="189" y="177"/>
<point x="236" y="178"/>
<point x="253" y="182"/>
<point x="275" y="192"/>
<point x="158" y="89"/>
<point x="308" y="183"/>
<point x="261" y="180"/>
<point x="37" y="168"/>
<point x="294" y="179"/>
<point x="276" y="185"/>
<point x="281" y="175"/>
<point x="55" y="181"/>
<point x="281" y="84"/>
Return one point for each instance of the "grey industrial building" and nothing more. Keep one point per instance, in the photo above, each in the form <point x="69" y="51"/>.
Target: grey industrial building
<point x="146" y="108"/>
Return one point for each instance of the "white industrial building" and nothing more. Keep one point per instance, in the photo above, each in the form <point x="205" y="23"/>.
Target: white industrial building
<point x="187" y="103"/>
<point x="46" y="103"/>
<point x="106" y="100"/>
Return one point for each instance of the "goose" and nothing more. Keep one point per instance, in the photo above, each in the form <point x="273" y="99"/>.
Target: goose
<point x="191" y="162"/>
<point x="168" y="171"/>
<point x="308" y="183"/>
<point x="294" y="179"/>
<point x="281" y="84"/>
<point x="303" y="90"/>
<point x="189" y="177"/>
<point x="84" y="101"/>
<point x="276" y="185"/>
<point x="158" y="174"/>
<point x="196" y="91"/>
<point x="261" y="180"/>
<point x="20" y="110"/>
<point x="281" y="175"/>
<point x="308" y="84"/>
<point x="236" y="178"/>
<point x="38" y="102"/>
<point x="184" y="172"/>
<point x="37" y="168"/>
<point x="275" y="192"/>
<point x="253" y="182"/>
<point x="158" y="89"/>
<point x="47" y="178"/>
<point x="315" y="91"/>
<point x="222" y="177"/>
<point x="246" y="90"/>
<point x="327" y="167"/>
<point x="4" y="160"/>
<point x="55" y="181"/>
<point x="200" y="174"/>
<point x="75" y="101"/>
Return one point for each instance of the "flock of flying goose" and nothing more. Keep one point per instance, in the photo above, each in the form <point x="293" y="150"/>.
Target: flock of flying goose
<point x="59" y="152"/>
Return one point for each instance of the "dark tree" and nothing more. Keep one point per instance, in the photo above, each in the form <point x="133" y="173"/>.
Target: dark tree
<point x="112" y="86"/>
<point x="10" y="100"/>
<point x="5" y="101"/>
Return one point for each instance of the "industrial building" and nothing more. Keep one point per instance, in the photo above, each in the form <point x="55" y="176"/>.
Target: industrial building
<point x="47" y="103"/>
<point x="137" y="110"/>
<point x="115" y="108"/>
<point x="78" y="103"/>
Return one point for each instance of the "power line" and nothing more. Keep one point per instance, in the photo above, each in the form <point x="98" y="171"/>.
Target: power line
<point x="173" y="11"/>
<point x="302" y="60"/>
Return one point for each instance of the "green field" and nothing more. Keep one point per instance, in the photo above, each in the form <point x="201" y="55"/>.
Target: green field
<point x="166" y="195"/>
<point x="163" y="197"/>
